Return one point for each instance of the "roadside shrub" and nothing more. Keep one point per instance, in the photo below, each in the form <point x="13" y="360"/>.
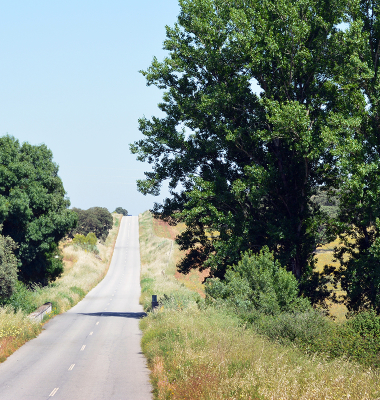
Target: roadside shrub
<point x="22" y="298"/>
<point x="178" y="300"/>
<point x="358" y="338"/>
<point x="366" y="323"/>
<point x="87" y="243"/>
<point x="258" y="282"/>
<point x="304" y="329"/>
<point x="8" y="266"/>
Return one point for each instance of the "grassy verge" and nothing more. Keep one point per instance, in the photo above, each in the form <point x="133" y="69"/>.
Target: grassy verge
<point x="158" y="260"/>
<point x="83" y="271"/>
<point x="199" y="352"/>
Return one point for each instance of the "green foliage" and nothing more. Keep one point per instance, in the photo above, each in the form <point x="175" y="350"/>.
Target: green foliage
<point x="96" y="219"/>
<point x="366" y="324"/>
<point x="258" y="282"/>
<point x="80" y="292"/>
<point x="360" y="273"/>
<point x="22" y="298"/>
<point x="357" y="147"/>
<point x="33" y="208"/>
<point x="178" y="300"/>
<point x="248" y="170"/>
<point x="242" y="168"/>
<point x="305" y="329"/>
<point x="8" y="266"/>
<point x="120" y="210"/>
<point x="87" y="243"/>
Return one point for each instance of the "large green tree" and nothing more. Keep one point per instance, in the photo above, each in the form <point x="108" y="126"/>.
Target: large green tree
<point x="33" y="208"/>
<point x="242" y="168"/>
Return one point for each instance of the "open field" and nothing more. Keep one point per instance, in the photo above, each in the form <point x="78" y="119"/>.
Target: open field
<point x="82" y="272"/>
<point x="198" y="352"/>
<point x="325" y="256"/>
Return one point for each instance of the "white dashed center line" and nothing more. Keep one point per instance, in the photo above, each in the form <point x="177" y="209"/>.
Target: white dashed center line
<point x="53" y="392"/>
<point x="91" y="333"/>
<point x="83" y="347"/>
<point x="71" y="367"/>
<point x="97" y="323"/>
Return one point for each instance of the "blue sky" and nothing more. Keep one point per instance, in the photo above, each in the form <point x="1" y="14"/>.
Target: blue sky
<point x="69" y="79"/>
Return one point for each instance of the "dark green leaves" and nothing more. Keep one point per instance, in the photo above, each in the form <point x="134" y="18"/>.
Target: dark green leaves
<point x="33" y="208"/>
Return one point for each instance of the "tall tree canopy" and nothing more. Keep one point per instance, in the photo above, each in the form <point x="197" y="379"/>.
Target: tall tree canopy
<point x="357" y="147"/>
<point x="33" y="208"/>
<point x="243" y="167"/>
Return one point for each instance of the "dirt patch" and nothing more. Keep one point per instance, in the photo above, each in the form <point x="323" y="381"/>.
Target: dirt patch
<point x="194" y="280"/>
<point x="163" y="229"/>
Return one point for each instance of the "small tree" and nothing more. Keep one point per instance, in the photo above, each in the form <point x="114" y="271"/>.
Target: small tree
<point x="120" y="210"/>
<point x="8" y="266"/>
<point x="86" y="242"/>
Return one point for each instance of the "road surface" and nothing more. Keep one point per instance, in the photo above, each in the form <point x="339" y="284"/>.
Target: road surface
<point x="92" y="351"/>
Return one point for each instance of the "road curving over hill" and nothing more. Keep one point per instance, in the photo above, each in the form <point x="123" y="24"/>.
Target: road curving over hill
<point x="92" y="351"/>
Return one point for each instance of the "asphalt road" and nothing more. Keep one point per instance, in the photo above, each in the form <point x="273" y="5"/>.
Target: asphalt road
<point x="92" y="351"/>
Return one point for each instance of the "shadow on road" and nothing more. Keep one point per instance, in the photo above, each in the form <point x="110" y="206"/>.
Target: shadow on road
<point x="136" y="315"/>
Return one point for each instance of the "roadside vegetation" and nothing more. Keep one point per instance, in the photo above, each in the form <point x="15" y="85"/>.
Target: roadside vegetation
<point x="217" y="348"/>
<point x="96" y="220"/>
<point x="268" y="137"/>
<point x="83" y="269"/>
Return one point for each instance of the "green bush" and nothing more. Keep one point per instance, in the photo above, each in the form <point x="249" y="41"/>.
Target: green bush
<point x="357" y="339"/>
<point x="304" y="329"/>
<point x="366" y="324"/>
<point x="22" y="298"/>
<point x="8" y="266"/>
<point x="87" y="243"/>
<point x="258" y="282"/>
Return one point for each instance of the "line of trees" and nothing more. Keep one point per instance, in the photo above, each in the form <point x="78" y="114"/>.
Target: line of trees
<point x="35" y="216"/>
<point x="96" y="219"/>
<point x="33" y="211"/>
<point x="244" y="168"/>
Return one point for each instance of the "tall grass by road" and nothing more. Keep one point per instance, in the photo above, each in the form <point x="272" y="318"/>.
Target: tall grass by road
<point x="200" y="352"/>
<point x="83" y="270"/>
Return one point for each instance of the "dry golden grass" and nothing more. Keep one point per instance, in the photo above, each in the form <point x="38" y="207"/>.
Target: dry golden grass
<point x="194" y="279"/>
<point x="205" y="354"/>
<point x="325" y="256"/>
<point x="158" y="260"/>
<point x="82" y="272"/>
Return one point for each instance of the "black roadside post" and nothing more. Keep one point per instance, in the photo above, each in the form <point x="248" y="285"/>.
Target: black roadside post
<point x="154" y="301"/>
